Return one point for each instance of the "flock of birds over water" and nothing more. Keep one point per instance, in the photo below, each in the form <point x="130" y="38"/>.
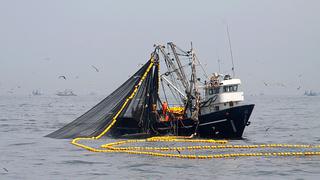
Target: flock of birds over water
<point x="298" y="88"/>
<point x="37" y="92"/>
<point x="266" y="84"/>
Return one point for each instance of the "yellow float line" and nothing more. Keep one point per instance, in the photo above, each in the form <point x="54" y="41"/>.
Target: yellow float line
<point x="110" y="147"/>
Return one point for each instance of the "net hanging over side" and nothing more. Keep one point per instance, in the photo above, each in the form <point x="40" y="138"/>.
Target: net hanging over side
<point x="95" y="121"/>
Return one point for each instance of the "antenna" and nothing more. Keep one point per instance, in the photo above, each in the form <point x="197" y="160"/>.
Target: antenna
<point x="230" y="47"/>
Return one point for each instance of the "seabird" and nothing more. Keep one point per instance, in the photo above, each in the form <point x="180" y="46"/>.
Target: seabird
<point x="95" y="68"/>
<point x="62" y="77"/>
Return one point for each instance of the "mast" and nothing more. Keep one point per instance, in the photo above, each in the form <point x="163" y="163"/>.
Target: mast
<point x="171" y="66"/>
<point x="230" y="48"/>
<point x="171" y="70"/>
<point x="194" y="88"/>
<point x="191" y="95"/>
<point x="183" y="75"/>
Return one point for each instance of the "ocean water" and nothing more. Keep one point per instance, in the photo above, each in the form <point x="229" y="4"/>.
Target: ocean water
<point x="26" y="154"/>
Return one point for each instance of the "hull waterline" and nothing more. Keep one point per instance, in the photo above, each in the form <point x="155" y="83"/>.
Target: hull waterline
<point x="229" y="123"/>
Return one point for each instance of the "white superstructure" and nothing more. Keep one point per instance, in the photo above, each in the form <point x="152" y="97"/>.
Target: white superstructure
<point x="221" y="92"/>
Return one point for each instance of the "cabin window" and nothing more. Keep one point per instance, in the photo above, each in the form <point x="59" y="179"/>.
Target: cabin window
<point x="211" y="91"/>
<point x="230" y="88"/>
<point x="216" y="108"/>
<point x="235" y="88"/>
<point x="214" y="91"/>
<point x="231" y="104"/>
<point x="225" y="88"/>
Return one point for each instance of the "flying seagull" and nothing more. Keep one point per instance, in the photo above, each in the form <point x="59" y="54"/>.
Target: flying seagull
<point x="63" y="77"/>
<point x="95" y="68"/>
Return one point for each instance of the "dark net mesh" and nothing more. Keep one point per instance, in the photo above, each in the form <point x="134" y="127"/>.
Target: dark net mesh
<point x="94" y="122"/>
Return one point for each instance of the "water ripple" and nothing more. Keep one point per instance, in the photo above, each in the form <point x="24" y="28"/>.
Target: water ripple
<point x="24" y="121"/>
<point x="23" y="144"/>
<point x="75" y="162"/>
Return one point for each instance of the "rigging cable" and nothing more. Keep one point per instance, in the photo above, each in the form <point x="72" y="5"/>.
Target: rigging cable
<point x="230" y="47"/>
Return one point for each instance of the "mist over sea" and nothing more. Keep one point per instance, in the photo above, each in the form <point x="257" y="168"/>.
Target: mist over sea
<point x="26" y="154"/>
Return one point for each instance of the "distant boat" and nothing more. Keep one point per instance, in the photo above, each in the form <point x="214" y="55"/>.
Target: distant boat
<point x="36" y="93"/>
<point x="66" y="92"/>
<point x="310" y="93"/>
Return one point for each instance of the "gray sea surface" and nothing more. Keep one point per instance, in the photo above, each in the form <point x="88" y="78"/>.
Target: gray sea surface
<point x="26" y="154"/>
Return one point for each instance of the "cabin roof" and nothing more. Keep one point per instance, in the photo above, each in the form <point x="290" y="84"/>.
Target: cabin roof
<point x="230" y="82"/>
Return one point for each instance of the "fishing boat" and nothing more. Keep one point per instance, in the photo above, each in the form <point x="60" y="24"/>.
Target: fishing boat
<point x="36" y="93"/>
<point x="67" y="92"/>
<point x="171" y="94"/>
<point x="310" y="93"/>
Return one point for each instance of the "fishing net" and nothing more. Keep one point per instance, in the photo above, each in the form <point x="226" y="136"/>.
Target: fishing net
<point x="137" y="111"/>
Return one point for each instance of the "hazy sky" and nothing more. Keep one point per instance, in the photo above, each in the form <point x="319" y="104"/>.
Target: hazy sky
<point x="273" y="41"/>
